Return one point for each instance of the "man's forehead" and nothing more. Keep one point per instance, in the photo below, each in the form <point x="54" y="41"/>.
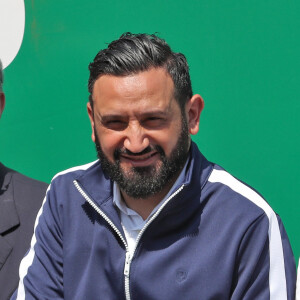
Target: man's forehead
<point x="140" y="93"/>
<point x="152" y="80"/>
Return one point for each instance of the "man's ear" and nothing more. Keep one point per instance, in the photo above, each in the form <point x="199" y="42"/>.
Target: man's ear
<point x="91" y="117"/>
<point x="2" y="102"/>
<point x="194" y="108"/>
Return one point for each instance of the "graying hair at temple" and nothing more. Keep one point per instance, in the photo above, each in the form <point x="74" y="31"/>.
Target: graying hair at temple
<point x="1" y="76"/>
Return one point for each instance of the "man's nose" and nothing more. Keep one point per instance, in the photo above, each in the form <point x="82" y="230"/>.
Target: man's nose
<point x="136" y="139"/>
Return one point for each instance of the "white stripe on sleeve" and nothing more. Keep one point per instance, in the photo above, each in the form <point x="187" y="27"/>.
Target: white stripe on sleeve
<point x="277" y="279"/>
<point x="28" y="259"/>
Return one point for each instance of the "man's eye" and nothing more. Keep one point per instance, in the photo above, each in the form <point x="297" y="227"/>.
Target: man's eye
<point x="115" y="125"/>
<point x="154" y="122"/>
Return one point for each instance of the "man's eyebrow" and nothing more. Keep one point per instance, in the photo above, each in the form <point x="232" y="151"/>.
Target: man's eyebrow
<point x="154" y="113"/>
<point x="149" y="113"/>
<point x="104" y="118"/>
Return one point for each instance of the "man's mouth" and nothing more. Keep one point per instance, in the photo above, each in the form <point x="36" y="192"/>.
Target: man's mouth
<point x="140" y="160"/>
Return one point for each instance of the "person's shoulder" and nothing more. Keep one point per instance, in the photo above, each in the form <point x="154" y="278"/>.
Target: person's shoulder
<point x="237" y="193"/>
<point x="230" y="193"/>
<point x="75" y="172"/>
<point x="22" y="179"/>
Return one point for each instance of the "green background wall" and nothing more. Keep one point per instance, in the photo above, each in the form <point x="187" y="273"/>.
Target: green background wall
<point x="244" y="61"/>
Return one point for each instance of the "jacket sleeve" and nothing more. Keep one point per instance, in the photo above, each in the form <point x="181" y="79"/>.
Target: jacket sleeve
<point x="265" y="266"/>
<point x="41" y="270"/>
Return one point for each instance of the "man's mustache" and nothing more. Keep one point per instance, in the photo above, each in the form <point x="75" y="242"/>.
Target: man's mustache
<point x="119" y="151"/>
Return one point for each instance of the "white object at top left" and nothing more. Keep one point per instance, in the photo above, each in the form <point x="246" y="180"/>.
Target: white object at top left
<point x="12" y="25"/>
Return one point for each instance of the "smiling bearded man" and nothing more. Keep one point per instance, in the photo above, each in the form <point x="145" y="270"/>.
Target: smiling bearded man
<point x="152" y="218"/>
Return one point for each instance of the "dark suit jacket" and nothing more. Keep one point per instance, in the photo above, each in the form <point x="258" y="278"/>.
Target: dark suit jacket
<point x="20" y="199"/>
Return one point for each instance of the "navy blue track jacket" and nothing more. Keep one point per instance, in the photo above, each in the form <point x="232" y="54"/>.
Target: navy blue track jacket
<point x="214" y="238"/>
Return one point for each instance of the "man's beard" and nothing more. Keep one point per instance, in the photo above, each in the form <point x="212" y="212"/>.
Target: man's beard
<point x="143" y="182"/>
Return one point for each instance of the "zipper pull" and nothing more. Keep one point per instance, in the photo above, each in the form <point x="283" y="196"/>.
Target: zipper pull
<point x="127" y="264"/>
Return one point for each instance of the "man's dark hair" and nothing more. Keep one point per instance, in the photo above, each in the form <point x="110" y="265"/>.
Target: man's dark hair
<point x="134" y="53"/>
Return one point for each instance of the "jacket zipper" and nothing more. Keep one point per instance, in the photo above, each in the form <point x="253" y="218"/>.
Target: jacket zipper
<point x="102" y="214"/>
<point x="128" y="259"/>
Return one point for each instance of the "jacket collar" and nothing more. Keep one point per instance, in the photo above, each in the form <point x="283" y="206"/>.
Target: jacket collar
<point x="197" y="173"/>
<point x="5" y="177"/>
<point x="99" y="188"/>
<point x="199" y="168"/>
<point x="9" y="217"/>
<point x="96" y="184"/>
